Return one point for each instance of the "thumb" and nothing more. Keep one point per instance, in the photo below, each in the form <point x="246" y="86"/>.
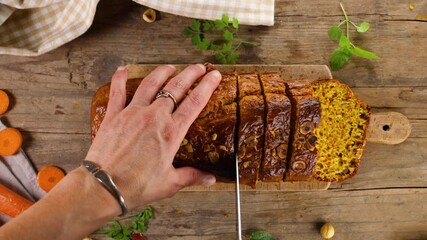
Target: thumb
<point x="188" y="176"/>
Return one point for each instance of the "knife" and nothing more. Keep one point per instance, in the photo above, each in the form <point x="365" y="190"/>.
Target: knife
<point x="239" y="218"/>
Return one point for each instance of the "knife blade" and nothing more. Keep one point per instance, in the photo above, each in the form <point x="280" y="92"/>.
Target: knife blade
<point x="239" y="217"/>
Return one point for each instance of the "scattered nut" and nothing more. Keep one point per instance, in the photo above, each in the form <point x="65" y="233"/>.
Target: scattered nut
<point x="184" y="142"/>
<point x="214" y="136"/>
<point x="213" y="157"/>
<point x="149" y="15"/>
<point x="327" y="231"/>
<point x="208" y="148"/>
<point x="246" y="164"/>
<point x="312" y="140"/>
<point x="274" y="153"/>
<point x="299" y="166"/>
<point x="223" y="148"/>
<point x="306" y="127"/>
<point x="188" y="148"/>
<point x="281" y="151"/>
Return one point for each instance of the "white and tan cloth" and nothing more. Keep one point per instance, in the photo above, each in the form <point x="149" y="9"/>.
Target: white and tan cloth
<point x="18" y="174"/>
<point x="34" y="27"/>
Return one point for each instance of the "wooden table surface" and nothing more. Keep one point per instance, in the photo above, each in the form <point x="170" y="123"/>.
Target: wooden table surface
<point x="387" y="199"/>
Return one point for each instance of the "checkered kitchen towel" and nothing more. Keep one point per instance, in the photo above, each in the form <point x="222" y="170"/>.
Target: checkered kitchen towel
<point x="33" y="27"/>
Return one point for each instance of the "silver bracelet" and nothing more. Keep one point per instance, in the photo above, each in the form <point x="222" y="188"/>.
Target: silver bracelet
<point x="106" y="181"/>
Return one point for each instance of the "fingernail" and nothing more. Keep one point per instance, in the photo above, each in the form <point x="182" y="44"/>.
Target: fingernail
<point x="216" y="74"/>
<point x="171" y="66"/>
<point x="201" y="66"/>
<point x="209" y="180"/>
<point x="121" y="68"/>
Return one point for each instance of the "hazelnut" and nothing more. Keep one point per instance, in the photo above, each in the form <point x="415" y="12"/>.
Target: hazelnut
<point x="184" y="142"/>
<point x="281" y="151"/>
<point x="251" y="141"/>
<point x="208" y="148"/>
<point x="214" y="136"/>
<point x="299" y="166"/>
<point x="327" y="231"/>
<point x="223" y="148"/>
<point x="246" y="164"/>
<point x="274" y="153"/>
<point x="312" y="140"/>
<point x="188" y="148"/>
<point x="213" y="157"/>
<point x="149" y="15"/>
<point x="306" y="127"/>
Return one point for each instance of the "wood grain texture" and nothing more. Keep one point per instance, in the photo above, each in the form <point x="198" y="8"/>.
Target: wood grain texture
<point x="51" y="97"/>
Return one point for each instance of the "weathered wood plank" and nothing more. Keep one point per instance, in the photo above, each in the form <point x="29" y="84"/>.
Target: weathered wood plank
<point x="299" y="37"/>
<point x="375" y="214"/>
<point x="382" y="166"/>
<point x="42" y="108"/>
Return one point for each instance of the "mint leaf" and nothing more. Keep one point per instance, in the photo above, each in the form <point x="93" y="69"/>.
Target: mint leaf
<point x="228" y="35"/>
<point x="334" y="33"/>
<point x="261" y="235"/>
<point x="339" y="58"/>
<point x="196" y="25"/>
<point x="220" y="24"/>
<point x="225" y="19"/>
<point x="364" y="26"/>
<point x="364" y="54"/>
<point x="344" y="42"/>
<point x="235" y="23"/>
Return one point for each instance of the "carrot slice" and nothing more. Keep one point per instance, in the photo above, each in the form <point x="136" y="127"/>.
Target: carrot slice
<point x="49" y="176"/>
<point x="11" y="203"/>
<point x="4" y="102"/>
<point x="10" y="141"/>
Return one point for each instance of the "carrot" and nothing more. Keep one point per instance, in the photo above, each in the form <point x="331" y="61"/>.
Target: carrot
<point x="48" y="177"/>
<point x="11" y="203"/>
<point x="10" y="141"/>
<point x="4" y="102"/>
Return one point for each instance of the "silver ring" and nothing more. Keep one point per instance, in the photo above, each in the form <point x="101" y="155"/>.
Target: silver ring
<point x="166" y="94"/>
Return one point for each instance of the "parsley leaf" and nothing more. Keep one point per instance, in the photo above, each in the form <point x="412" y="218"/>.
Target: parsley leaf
<point x="261" y="235"/>
<point x="116" y="230"/>
<point x="219" y="36"/>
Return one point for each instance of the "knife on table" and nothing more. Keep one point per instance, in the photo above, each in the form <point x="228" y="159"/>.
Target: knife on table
<point x="239" y="218"/>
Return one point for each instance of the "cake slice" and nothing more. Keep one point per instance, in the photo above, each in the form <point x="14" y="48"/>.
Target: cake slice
<point x="277" y="128"/>
<point x="251" y="128"/>
<point x="209" y="143"/>
<point x="305" y="119"/>
<point x="342" y="131"/>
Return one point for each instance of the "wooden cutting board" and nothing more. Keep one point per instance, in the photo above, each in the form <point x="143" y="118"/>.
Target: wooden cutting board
<point x="384" y="127"/>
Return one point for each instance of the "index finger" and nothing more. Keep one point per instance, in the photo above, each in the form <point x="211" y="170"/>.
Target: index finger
<point x="194" y="103"/>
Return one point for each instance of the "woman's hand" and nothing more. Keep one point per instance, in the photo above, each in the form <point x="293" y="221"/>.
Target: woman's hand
<point x="136" y="144"/>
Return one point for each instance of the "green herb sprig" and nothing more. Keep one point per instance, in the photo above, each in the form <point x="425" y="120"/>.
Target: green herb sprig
<point x="261" y="235"/>
<point x="219" y="36"/>
<point x="118" y="231"/>
<point x="347" y="49"/>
